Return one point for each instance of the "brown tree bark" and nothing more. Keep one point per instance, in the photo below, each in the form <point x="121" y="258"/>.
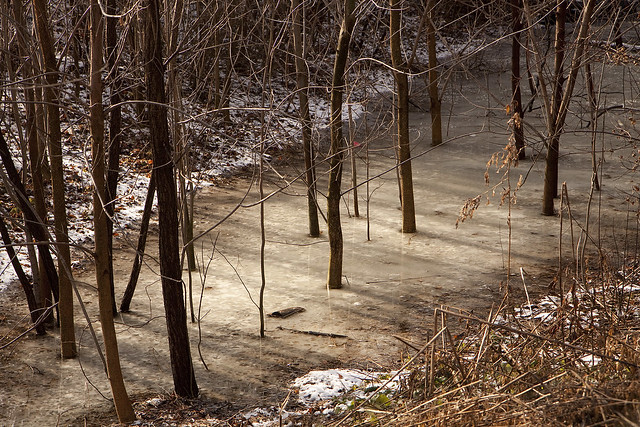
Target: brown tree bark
<point x="516" y="100"/>
<point x="42" y="288"/>
<point x="34" y="310"/>
<point x="142" y="242"/>
<point x="404" y="147"/>
<point x="32" y="222"/>
<point x="121" y="400"/>
<point x="181" y="363"/>
<point x="67" y="331"/>
<point x="550" y="190"/>
<point x="593" y="104"/>
<point x="435" y="109"/>
<point x="115" y="129"/>
<point x="559" y="105"/>
<point x="336" y="150"/>
<point x="174" y="85"/>
<point x="302" y="80"/>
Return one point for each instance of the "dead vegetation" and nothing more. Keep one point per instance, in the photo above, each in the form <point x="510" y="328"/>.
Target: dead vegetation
<point x="564" y="360"/>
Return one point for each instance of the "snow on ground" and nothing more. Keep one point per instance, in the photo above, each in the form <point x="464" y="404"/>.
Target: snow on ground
<point x="327" y="392"/>
<point x="318" y="386"/>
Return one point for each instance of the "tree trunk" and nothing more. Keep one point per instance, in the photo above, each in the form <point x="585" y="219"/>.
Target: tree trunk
<point x="593" y="104"/>
<point x="560" y="107"/>
<point x="36" y="151"/>
<point x="550" y="191"/>
<point x="32" y="222"/>
<point x="267" y="17"/>
<point x="101" y="228"/>
<point x="617" y="23"/>
<point x="67" y="332"/>
<point x="181" y="363"/>
<point x="435" y="104"/>
<point x="174" y="86"/>
<point x="336" y="150"/>
<point x="302" y="79"/>
<point x="24" y="281"/>
<point x="516" y="100"/>
<point x="354" y="170"/>
<point x="142" y="242"/>
<point x="115" y="128"/>
<point x="404" y="147"/>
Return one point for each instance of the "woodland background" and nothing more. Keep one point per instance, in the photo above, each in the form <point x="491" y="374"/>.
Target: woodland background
<point x="108" y="105"/>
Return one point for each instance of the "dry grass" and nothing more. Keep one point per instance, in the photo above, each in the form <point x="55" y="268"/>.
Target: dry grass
<point x="562" y="361"/>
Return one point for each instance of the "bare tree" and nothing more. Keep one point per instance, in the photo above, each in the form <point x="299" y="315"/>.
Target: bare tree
<point x="302" y="79"/>
<point x="336" y="150"/>
<point x="67" y="331"/>
<point x="121" y="400"/>
<point x="516" y="100"/>
<point x="20" y="194"/>
<point x="163" y="162"/>
<point x="125" y="304"/>
<point x="115" y="131"/>
<point x="35" y="146"/>
<point x="557" y="105"/>
<point x="404" y="147"/>
<point x="435" y="109"/>
<point x="553" y="144"/>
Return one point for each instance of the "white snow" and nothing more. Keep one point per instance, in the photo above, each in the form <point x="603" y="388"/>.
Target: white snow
<point x="591" y="360"/>
<point x="326" y="393"/>
<point x="325" y="385"/>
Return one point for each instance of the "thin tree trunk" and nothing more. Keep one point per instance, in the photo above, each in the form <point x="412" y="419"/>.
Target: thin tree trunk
<point x="268" y="58"/>
<point x="617" y="24"/>
<point x="124" y="409"/>
<point x="435" y="103"/>
<point x="336" y="150"/>
<point x="550" y="191"/>
<point x="181" y="363"/>
<point x="174" y="85"/>
<point x="404" y="147"/>
<point x="36" y="156"/>
<point x="142" y="242"/>
<point x="302" y="79"/>
<point x="551" y="173"/>
<point x="67" y="331"/>
<point x="516" y="100"/>
<point x="226" y="85"/>
<point x="34" y="310"/>
<point x="593" y="104"/>
<point x="32" y="222"/>
<point x="352" y="155"/>
<point x="115" y="129"/>
<point x="559" y="108"/>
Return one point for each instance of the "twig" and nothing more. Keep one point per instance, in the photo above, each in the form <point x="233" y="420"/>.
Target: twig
<point x="525" y="287"/>
<point x="483" y="341"/>
<point x="282" y="406"/>
<point x="314" y="333"/>
<point x="413" y="346"/>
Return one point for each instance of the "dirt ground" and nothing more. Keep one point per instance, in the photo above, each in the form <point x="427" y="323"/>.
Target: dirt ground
<point x="392" y="282"/>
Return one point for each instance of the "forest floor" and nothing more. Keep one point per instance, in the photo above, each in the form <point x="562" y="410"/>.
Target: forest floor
<point x="392" y="283"/>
